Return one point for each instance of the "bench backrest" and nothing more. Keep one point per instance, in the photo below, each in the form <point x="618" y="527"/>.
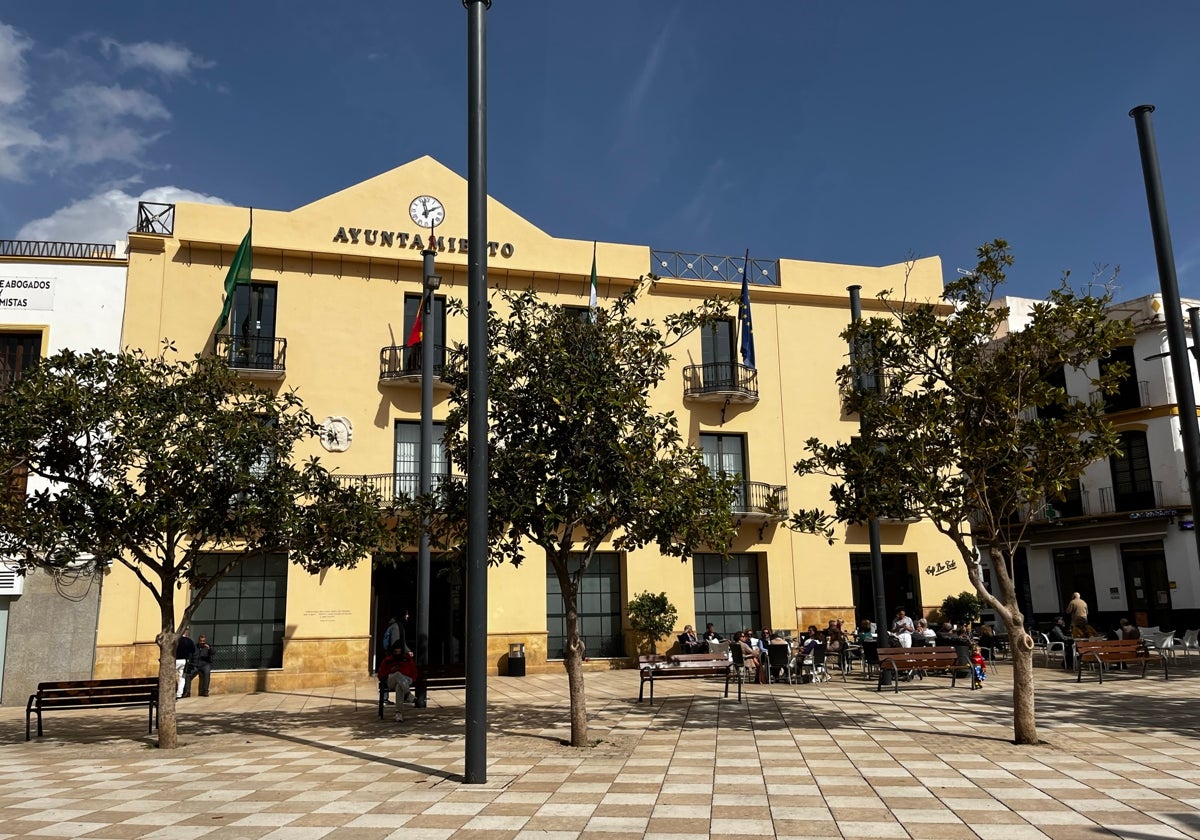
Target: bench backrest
<point x="702" y="658"/>
<point x="651" y="659"/>
<point x="1083" y="646"/>
<point x="922" y="654"/>
<point x="97" y="692"/>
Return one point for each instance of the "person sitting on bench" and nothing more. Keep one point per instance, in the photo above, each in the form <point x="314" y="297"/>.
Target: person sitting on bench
<point x="689" y="642"/>
<point x="399" y="672"/>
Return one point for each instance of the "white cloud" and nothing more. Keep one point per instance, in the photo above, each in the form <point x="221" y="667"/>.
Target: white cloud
<point x="102" y="122"/>
<point x="12" y="65"/>
<point x="106" y="216"/>
<point x="18" y="139"/>
<point x="168" y="59"/>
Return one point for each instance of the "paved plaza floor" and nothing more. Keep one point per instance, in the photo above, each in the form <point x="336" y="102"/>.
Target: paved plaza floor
<point x="828" y="760"/>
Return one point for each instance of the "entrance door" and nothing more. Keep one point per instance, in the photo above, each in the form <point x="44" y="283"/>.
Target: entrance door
<point x="1147" y="585"/>
<point x="899" y="587"/>
<point x="394" y="590"/>
<point x="1073" y="571"/>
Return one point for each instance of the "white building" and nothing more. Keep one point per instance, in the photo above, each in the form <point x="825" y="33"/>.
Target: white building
<point x="53" y="296"/>
<point x="1123" y="538"/>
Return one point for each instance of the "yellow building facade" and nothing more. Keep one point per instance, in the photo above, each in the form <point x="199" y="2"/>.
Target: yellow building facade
<point x="326" y="315"/>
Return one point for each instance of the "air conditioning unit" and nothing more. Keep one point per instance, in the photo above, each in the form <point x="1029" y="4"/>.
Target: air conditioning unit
<point x="11" y="581"/>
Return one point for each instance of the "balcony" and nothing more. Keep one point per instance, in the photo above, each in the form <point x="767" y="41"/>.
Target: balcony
<point x="1139" y="495"/>
<point x="1077" y="503"/>
<point x="757" y="501"/>
<point x="1132" y="394"/>
<point x="253" y="357"/>
<point x="720" y="382"/>
<point x="400" y="366"/>
<point x="393" y="487"/>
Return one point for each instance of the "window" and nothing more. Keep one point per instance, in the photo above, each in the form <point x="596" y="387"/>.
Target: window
<point x="1057" y="378"/>
<point x="18" y="353"/>
<point x="252" y="326"/>
<point x="1128" y="393"/>
<point x="599" y="607"/>
<point x="581" y="313"/>
<point x="243" y="616"/>
<point x="726" y="592"/>
<point x="1071" y="504"/>
<point x="717" y="353"/>
<point x="726" y="454"/>
<point x="437" y="326"/>
<point x="1133" y="484"/>
<point x="407" y="468"/>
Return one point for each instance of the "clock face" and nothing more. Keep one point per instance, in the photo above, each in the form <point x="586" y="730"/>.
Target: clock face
<point x="427" y="211"/>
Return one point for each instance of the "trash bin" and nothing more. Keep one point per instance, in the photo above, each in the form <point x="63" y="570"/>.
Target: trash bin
<point x="516" y="659"/>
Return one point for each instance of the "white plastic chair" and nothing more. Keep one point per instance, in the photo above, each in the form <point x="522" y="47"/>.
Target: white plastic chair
<point x="1164" y="643"/>
<point x="1049" y="649"/>
<point x="1190" y="642"/>
<point x="719" y="647"/>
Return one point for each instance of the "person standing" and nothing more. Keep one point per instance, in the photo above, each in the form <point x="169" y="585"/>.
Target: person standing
<point x="1077" y="611"/>
<point x="203" y="666"/>
<point x="185" y="651"/>
<point x="902" y="626"/>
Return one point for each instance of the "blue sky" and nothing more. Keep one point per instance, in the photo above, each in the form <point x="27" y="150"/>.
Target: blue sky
<point x="854" y="132"/>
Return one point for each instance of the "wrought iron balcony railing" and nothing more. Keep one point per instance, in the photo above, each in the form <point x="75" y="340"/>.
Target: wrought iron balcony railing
<point x="685" y="266"/>
<point x="253" y="355"/>
<point x="398" y="363"/>
<point x="759" y="500"/>
<point x="1131" y="395"/>
<point x="1139" y="495"/>
<point x="719" y="381"/>
<point x="59" y="250"/>
<point x="392" y="487"/>
<point x="155" y="218"/>
<point x="1074" y="505"/>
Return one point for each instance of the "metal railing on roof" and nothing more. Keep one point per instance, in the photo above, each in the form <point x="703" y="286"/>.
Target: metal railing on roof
<point x="155" y="218"/>
<point x="61" y="250"/>
<point x="685" y="266"/>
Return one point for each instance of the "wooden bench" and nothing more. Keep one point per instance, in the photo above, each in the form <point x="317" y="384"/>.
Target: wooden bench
<point x="919" y="659"/>
<point x="430" y="678"/>
<point x="681" y="666"/>
<point x="94" y="694"/>
<point x="1115" y="652"/>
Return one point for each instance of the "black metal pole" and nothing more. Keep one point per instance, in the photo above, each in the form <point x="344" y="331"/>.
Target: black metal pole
<point x="881" y="613"/>
<point x="1181" y="366"/>
<point x="477" y="392"/>
<point x="425" y="465"/>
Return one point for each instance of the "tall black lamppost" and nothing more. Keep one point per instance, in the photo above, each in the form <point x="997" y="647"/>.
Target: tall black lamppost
<point x="1181" y="366"/>
<point x="863" y="383"/>
<point x="475" y="764"/>
<point x="430" y="284"/>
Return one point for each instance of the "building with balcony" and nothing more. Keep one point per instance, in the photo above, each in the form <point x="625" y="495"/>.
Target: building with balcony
<point x="1122" y="536"/>
<point x="331" y="300"/>
<point x="53" y="296"/>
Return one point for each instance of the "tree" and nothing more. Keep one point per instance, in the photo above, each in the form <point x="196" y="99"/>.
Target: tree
<point x="156" y="464"/>
<point x="966" y="428"/>
<point x="653" y="616"/>
<point x="961" y="608"/>
<point x="577" y="457"/>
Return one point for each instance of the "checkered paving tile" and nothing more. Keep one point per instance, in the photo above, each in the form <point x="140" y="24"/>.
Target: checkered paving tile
<point x="836" y="760"/>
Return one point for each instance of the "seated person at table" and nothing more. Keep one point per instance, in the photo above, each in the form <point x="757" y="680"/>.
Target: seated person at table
<point x="749" y="655"/>
<point x="689" y="642"/>
<point x="811" y="639"/>
<point x="1060" y="633"/>
<point x="1128" y="631"/>
<point x="946" y="637"/>
<point x="923" y="629"/>
<point x="710" y="635"/>
<point x="835" y="640"/>
<point x="987" y="641"/>
<point x="866" y="632"/>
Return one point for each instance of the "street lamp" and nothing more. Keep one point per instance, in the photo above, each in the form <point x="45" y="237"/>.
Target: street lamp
<point x="431" y="282"/>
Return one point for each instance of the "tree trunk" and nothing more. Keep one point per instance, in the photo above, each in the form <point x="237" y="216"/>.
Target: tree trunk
<point x="573" y="662"/>
<point x="168" y="738"/>
<point x="168" y="735"/>
<point x="1019" y="641"/>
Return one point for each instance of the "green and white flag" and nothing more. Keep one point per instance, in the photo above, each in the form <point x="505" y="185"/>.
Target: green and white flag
<point x="239" y="273"/>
